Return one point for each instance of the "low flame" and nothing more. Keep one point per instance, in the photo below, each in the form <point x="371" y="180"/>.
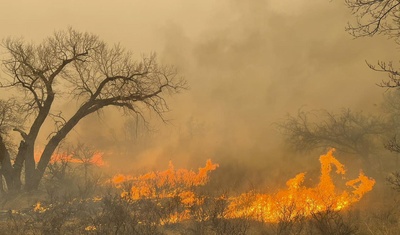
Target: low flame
<point x="170" y="183"/>
<point x="96" y="159"/>
<point x="164" y="184"/>
<point x="39" y="208"/>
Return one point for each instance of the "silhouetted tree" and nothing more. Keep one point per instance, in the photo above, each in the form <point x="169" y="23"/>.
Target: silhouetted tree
<point x="374" y="17"/>
<point x="80" y="67"/>
<point x="377" y="17"/>
<point x="381" y="17"/>
<point x="351" y="132"/>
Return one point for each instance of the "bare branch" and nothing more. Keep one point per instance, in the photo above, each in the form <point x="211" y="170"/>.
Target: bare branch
<point x="70" y="64"/>
<point x="23" y="134"/>
<point x="346" y="131"/>
<point x="374" y="17"/>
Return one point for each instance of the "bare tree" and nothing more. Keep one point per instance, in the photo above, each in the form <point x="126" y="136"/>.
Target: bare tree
<point x="377" y="17"/>
<point x="351" y="132"/>
<point x="381" y="17"/>
<point x="9" y="118"/>
<point x="77" y="66"/>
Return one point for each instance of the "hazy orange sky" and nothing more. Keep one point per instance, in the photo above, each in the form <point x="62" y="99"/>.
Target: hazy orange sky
<point x="248" y="64"/>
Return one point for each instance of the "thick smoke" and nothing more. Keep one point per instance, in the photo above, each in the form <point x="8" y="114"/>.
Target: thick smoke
<point x="248" y="64"/>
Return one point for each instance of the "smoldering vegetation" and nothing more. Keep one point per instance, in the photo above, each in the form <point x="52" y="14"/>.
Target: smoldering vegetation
<point x="273" y="85"/>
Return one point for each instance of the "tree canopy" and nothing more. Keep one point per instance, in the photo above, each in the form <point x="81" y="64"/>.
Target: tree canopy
<point x="75" y="66"/>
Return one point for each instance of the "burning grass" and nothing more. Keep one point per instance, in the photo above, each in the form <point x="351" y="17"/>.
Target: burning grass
<point x="165" y="184"/>
<point x="175" y="200"/>
<point x="298" y="200"/>
<point x="286" y="204"/>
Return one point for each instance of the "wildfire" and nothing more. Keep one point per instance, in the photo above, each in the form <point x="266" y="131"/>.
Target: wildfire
<point x="298" y="200"/>
<point x="95" y="159"/>
<point x="285" y="205"/>
<point x="165" y="184"/>
<point x="39" y="208"/>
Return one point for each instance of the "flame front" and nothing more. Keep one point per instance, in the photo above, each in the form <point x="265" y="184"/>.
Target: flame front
<point x="171" y="183"/>
<point x="285" y="205"/>
<point x="298" y="200"/>
<point x="165" y="184"/>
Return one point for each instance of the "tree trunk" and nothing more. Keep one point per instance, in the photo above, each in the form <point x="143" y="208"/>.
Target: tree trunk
<point x="30" y="167"/>
<point x="37" y="175"/>
<point x="30" y="138"/>
<point x="54" y="142"/>
<point x="6" y="168"/>
<point x="18" y="164"/>
<point x="12" y="173"/>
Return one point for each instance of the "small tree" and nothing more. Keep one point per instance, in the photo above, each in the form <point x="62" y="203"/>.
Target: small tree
<point x="351" y="132"/>
<point x="80" y="67"/>
<point x="381" y="17"/>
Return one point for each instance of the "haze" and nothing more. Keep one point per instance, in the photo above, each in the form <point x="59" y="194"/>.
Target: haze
<point x="248" y="64"/>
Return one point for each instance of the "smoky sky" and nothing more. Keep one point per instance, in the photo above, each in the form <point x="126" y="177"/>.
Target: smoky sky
<point x="247" y="63"/>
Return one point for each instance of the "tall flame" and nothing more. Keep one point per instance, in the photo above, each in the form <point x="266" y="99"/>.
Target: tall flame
<point x="298" y="200"/>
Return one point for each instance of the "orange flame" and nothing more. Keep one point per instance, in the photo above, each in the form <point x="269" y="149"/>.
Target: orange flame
<point x="299" y="200"/>
<point x="285" y="205"/>
<point x="170" y="183"/>
<point x="164" y="184"/>
<point x="96" y="159"/>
